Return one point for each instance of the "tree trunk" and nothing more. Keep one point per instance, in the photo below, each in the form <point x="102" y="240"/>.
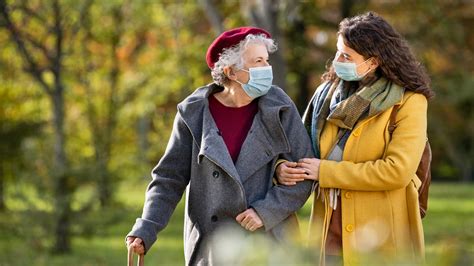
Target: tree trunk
<point x="469" y="171"/>
<point x="213" y="15"/>
<point x="278" y="61"/>
<point x="63" y="182"/>
<point x="303" y="95"/>
<point x="3" y="207"/>
<point x="104" y="183"/>
<point x="346" y="8"/>
<point x="298" y="62"/>
<point x="63" y="186"/>
<point x="456" y="154"/>
<point x="466" y="171"/>
<point x="143" y="127"/>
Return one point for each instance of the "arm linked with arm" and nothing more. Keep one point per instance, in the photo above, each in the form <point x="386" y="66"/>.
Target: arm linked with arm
<point x="281" y="201"/>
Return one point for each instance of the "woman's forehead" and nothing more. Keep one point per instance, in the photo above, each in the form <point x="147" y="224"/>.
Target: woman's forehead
<point x="255" y="50"/>
<point x="343" y="48"/>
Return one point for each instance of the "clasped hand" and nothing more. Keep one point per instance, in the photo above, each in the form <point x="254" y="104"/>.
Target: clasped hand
<point x="289" y="173"/>
<point x="249" y="220"/>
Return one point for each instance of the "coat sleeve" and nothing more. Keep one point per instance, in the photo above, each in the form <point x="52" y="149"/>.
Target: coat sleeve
<point x="402" y="157"/>
<point x="281" y="201"/>
<point x="169" y="180"/>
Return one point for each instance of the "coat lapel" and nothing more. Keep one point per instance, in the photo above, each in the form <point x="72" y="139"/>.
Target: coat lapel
<point x="265" y="141"/>
<point x="214" y="148"/>
<point x="195" y="112"/>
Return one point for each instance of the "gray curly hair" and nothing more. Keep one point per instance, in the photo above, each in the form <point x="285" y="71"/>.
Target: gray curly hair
<point x="233" y="56"/>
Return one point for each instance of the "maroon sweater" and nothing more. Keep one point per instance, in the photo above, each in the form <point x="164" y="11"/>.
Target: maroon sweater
<point x="233" y="123"/>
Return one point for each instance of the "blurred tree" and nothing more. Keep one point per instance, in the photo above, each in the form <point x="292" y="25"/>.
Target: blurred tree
<point x="17" y="123"/>
<point x="213" y="15"/>
<point x="101" y="96"/>
<point x="51" y="64"/>
<point x="44" y="63"/>
<point x="24" y="129"/>
<point x="12" y="134"/>
<point x="306" y="30"/>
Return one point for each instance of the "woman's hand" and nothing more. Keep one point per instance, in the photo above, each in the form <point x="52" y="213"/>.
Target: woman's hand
<point x="288" y="173"/>
<point x="136" y="244"/>
<point x="311" y="167"/>
<point x="249" y="220"/>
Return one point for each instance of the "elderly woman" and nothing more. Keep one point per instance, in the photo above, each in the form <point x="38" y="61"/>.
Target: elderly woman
<point x="226" y="139"/>
<point x="366" y="209"/>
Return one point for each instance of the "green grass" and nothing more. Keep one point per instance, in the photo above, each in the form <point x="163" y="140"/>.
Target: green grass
<point x="25" y="239"/>
<point x="449" y="225"/>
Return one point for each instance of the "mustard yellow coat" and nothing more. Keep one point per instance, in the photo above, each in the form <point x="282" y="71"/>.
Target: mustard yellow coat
<point x="380" y="216"/>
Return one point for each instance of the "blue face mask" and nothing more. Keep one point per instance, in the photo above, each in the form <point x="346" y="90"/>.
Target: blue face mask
<point x="348" y="71"/>
<point x="260" y="81"/>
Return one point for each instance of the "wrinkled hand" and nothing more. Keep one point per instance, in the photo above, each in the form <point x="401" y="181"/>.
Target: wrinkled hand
<point x="136" y="244"/>
<point x="249" y="220"/>
<point x="288" y="173"/>
<point x="311" y="167"/>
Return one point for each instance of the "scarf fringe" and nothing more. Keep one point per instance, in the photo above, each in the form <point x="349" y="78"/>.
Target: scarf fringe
<point x="327" y="220"/>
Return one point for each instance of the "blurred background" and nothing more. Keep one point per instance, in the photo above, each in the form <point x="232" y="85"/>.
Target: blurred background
<point x="88" y="93"/>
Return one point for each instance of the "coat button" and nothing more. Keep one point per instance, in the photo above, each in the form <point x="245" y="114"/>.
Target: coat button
<point x="356" y="133"/>
<point x="215" y="174"/>
<point x="349" y="228"/>
<point x="348" y="195"/>
<point x="214" y="218"/>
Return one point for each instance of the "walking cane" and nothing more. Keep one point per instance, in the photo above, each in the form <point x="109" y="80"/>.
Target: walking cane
<point x="141" y="258"/>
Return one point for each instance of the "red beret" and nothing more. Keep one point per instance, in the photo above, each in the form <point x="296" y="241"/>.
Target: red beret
<point x="228" y="39"/>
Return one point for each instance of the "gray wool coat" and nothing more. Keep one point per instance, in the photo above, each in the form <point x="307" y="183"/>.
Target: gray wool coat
<point x="197" y="160"/>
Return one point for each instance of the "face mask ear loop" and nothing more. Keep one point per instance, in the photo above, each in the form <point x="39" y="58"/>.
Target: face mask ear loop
<point x="241" y="84"/>
<point x="366" y="72"/>
<point x="241" y="69"/>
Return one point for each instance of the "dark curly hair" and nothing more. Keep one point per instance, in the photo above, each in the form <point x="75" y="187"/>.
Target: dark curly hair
<point x="371" y="36"/>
